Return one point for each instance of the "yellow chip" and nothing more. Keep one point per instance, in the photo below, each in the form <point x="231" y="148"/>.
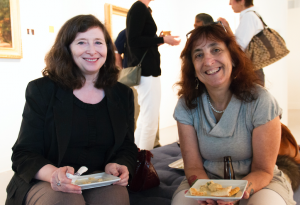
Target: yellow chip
<point x="234" y="191"/>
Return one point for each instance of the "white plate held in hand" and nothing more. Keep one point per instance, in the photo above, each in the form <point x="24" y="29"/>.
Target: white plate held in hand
<point x="107" y="180"/>
<point x="225" y="183"/>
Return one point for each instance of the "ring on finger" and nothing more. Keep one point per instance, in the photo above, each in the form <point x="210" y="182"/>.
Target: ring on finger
<point x="58" y="183"/>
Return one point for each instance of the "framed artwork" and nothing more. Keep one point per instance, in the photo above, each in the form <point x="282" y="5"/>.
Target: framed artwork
<point x="115" y="19"/>
<point x="10" y="29"/>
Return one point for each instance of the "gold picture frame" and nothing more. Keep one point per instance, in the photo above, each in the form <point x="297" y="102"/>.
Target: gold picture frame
<point x="10" y="30"/>
<point x="109" y="10"/>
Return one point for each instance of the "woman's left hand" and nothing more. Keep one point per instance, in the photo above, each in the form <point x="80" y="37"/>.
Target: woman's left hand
<point x="207" y="202"/>
<point x="119" y="171"/>
<point x="218" y="202"/>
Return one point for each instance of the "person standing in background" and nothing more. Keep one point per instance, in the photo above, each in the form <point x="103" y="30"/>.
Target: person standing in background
<point x="141" y="37"/>
<point x="203" y="19"/>
<point x="121" y="62"/>
<point x="249" y="26"/>
<point x="121" y="47"/>
<point x="120" y="44"/>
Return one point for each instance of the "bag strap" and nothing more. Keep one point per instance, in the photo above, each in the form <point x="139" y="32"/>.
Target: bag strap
<point x="265" y="25"/>
<point x="143" y="57"/>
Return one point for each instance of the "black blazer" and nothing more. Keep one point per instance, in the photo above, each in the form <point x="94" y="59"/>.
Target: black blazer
<point x="141" y="35"/>
<point x="46" y="130"/>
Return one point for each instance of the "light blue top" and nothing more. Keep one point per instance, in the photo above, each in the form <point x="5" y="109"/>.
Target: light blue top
<point x="232" y="135"/>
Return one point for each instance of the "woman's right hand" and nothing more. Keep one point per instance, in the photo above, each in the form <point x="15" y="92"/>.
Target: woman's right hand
<point x="207" y="202"/>
<point x="171" y="40"/>
<point x="60" y="182"/>
<point x="212" y="202"/>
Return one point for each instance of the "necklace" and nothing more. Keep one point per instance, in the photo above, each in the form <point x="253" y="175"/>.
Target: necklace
<point x="217" y="111"/>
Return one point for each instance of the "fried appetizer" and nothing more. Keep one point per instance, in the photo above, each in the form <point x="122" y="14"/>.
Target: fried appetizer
<point x="222" y="192"/>
<point x="196" y="192"/>
<point x="214" y="187"/>
<point x="234" y="191"/>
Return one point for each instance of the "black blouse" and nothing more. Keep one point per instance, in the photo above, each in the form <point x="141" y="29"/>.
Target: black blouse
<point x="92" y="136"/>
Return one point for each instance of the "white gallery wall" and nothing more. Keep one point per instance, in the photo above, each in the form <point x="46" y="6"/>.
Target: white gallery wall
<point x="275" y="15"/>
<point x="175" y="15"/>
<point x="293" y="42"/>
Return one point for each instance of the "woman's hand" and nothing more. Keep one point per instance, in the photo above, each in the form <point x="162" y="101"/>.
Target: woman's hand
<point x="171" y="40"/>
<point x="119" y="171"/>
<point x="207" y="202"/>
<point x="60" y="182"/>
<point x="218" y="202"/>
<point x="221" y="202"/>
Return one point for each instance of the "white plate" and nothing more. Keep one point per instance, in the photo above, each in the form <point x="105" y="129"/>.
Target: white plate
<point x="225" y="183"/>
<point x="177" y="164"/>
<point x="107" y="180"/>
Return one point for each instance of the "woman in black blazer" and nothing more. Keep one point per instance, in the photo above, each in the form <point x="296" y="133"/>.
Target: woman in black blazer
<point x="76" y="115"/>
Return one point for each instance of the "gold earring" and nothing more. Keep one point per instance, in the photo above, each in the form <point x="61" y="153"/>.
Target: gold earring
<point x="197" y="83"/>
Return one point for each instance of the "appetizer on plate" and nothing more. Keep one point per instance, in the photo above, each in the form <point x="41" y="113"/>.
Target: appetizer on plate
<point x="214" y="189"/>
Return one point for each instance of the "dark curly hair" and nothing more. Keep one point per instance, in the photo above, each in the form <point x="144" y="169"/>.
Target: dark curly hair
<point x="243" y="77"/>
<point x="60" y="66"/>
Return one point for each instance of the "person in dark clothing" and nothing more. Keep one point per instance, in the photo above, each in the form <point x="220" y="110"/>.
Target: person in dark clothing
<point x="76" y="115"/>
<point x="121" y="62"/>
<point x="141" y="30"/>
<point x="120" y="44"/>
<point x="203" y="19"/>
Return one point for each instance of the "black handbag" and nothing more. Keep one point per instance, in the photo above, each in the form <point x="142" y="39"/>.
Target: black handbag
<point x="131" y="76"/>
<point x="266" y="47"/>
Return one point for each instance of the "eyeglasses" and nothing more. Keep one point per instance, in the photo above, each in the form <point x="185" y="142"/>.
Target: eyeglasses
<point x="189" y="33"/>
<point x="221" y="24"/>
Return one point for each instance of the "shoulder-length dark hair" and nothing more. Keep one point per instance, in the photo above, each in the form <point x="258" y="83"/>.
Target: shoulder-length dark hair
<point x="60" y="66"/>
<point x="243" y="77"/>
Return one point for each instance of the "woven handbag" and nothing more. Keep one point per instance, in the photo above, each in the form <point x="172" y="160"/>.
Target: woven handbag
<point x="131" y="76"/>
<point x="145" y="176"/>
<point x="266" y="47"/>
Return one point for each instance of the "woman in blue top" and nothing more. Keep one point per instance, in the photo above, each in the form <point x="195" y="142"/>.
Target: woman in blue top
<point x="223" y="111"/>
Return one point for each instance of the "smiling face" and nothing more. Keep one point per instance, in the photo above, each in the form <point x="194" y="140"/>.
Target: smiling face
<point x="89" y="51"/>
<point x="212" y="63"/>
